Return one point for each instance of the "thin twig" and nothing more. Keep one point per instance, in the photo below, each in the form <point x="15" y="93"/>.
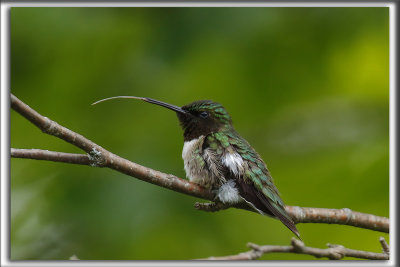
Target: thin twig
<point x="334" y="252"/>
<point x="100" y="157"/>
<point x="385" y="246"/>
<point x="39" y="154"/>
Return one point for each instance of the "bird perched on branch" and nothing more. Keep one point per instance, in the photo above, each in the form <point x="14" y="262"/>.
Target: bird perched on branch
<point x="218" y="158"/>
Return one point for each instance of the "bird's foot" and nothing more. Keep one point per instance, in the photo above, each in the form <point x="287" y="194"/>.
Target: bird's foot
<point x="211" y="206"/>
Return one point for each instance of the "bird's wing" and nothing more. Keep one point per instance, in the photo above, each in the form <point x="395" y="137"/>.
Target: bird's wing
<point x="256" y="185"/>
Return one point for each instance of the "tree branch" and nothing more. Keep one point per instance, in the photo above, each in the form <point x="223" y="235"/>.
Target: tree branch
<point x="338" y="216"/>
<point x="334" y="252"/>
<point x="100" y="157"/>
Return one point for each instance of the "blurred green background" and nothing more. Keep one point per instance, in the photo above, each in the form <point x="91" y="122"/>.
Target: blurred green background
<point x="307" y="87"/>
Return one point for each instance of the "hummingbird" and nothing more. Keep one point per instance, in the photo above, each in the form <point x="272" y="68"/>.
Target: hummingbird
<point x="216" y="157"/>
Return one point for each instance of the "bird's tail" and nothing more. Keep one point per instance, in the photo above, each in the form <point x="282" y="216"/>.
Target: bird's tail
<point x="259" y="202"/>
<point x="280" y="213"/>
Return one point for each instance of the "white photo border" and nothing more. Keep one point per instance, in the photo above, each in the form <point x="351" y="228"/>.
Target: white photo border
<point x="5" y="128"/>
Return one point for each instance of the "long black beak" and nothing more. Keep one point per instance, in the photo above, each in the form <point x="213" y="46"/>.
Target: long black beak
<point x="149" y="100"/>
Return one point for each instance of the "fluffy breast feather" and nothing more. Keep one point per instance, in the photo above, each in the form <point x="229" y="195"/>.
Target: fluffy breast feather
<point x="234" y="162"/>
<point x="193" y="161"/>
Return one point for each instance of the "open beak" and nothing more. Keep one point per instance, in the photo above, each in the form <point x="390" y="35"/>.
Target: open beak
<point x="148" y="100"/>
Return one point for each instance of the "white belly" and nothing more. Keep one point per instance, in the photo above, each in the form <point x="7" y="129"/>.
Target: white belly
<point x="193" y="161"/>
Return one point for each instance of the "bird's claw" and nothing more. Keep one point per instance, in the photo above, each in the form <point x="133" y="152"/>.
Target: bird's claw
<point x="210" y="206"/>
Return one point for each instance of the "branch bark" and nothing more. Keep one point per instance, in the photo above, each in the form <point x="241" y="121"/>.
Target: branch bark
<point x="97" y="156"/>
<point x="333" y="252"/>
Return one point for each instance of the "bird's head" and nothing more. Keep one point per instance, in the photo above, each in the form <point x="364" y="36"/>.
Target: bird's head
<point x="203" y="117"/>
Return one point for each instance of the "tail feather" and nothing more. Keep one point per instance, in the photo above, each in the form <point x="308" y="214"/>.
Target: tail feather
<point x="262" y="204"/>
<point x="279" y="213"/>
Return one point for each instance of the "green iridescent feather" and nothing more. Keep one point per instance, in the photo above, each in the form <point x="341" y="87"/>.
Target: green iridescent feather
<point x="257" y="172"/>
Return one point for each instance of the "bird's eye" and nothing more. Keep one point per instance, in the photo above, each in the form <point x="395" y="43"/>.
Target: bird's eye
<point x="204" y="114"/>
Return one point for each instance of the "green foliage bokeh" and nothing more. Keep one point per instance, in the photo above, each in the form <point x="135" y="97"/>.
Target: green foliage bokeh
<point x="307" y="87"/>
